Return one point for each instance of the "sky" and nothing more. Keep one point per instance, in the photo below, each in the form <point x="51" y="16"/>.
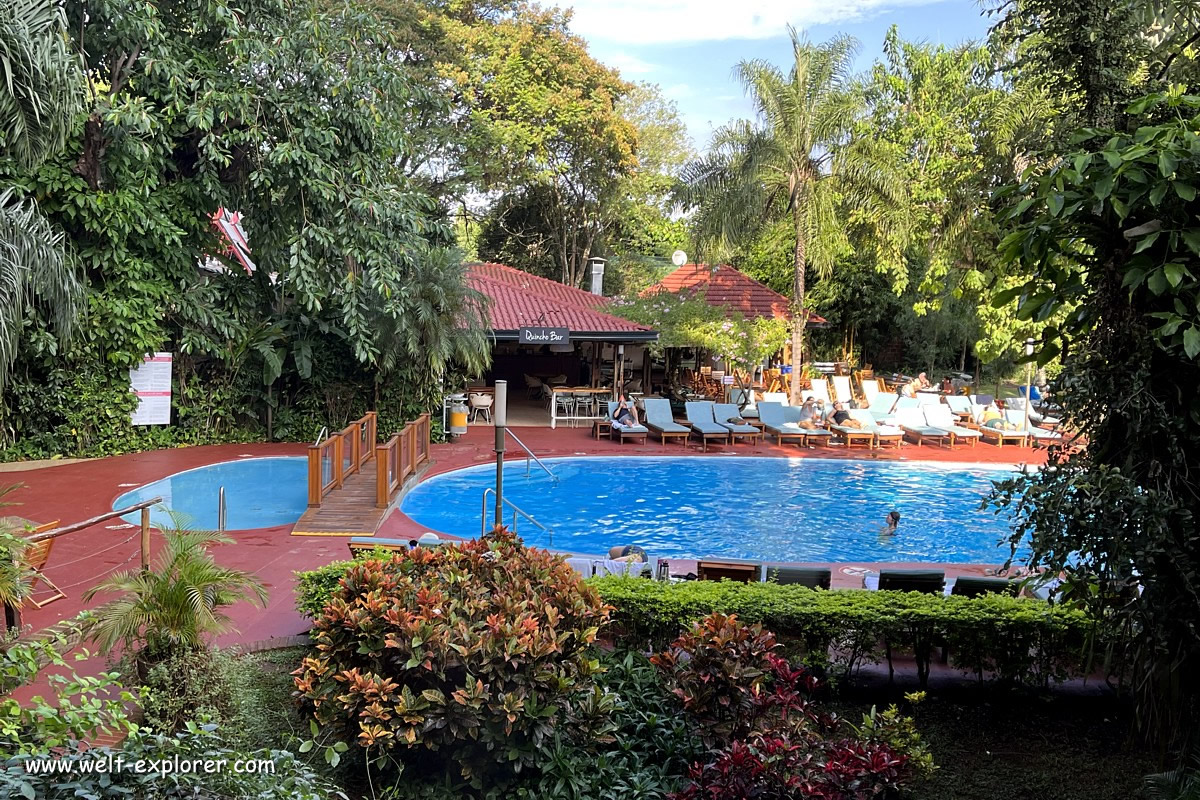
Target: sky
<point x="690" y="47"/>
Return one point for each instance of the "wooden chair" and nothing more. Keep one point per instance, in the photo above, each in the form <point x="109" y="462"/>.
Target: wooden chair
<point x="36" y="556"/>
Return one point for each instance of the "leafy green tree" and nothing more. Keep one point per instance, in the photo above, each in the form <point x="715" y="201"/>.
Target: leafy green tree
<point x="546" y="131"/>
<point x="178" y="603"/>
<point x="798" y="161"/>
<point x="41" y="90"/>
<point x="1110" y="232"/>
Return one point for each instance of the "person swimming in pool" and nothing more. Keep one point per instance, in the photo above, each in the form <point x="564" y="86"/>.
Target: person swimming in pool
<point x="893" y="522"/>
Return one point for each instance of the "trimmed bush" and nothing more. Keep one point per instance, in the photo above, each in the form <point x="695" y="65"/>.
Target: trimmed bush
<point x="1011" y="639"/>
<point x="315" y="587"/>
<point x="471" y="655"/>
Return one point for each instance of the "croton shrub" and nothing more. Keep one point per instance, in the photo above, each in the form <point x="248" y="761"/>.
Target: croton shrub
<point x="768" y="738"/>
<point x="466" y="657"/>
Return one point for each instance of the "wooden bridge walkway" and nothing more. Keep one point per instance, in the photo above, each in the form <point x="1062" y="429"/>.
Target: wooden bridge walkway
<point x="348" y="511"/>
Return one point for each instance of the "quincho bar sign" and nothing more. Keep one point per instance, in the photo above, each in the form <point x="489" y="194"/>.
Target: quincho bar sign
<point x="543" y="335"/>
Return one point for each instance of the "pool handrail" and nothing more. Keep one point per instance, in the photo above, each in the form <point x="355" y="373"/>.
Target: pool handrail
<point x="516" y="511"/>
<point x="530" y="455"/>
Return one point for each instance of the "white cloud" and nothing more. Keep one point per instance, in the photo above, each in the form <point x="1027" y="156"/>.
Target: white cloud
<point x="629" y="64"/>
<point x="645" y="22"/>
<point x="679" y="91"/>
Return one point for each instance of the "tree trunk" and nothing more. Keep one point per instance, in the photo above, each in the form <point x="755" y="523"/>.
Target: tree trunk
<point x="799" y="315"/>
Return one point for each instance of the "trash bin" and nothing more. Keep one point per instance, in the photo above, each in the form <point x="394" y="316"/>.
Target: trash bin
<point x="458" y="418"/>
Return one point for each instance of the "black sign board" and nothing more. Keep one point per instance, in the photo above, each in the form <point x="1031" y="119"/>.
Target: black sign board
<point x="543" y="335"/>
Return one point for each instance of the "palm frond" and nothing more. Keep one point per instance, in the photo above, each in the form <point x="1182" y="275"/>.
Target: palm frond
<point x="41" y="80"/>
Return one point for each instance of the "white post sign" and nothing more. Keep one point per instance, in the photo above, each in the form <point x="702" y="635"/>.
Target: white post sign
<point x="151" y="382"/>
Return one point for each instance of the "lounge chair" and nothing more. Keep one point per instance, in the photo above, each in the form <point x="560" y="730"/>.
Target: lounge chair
<point x="856" y="433"/>
<point x="660" y="420"/>
<point x="883" y="433"/>
<point x="821" y="434"/>
<point x="776" y="424"/>
<point x="974" y="587"/>
<point x="1017" y="418"/>
<point x="1036" y="417"/>
<point x="744" y="400"/>
<point x="358" y="544"/>
<point x="960" y="406"/>
<point x="724" y="412"/>
<point x="940" y="416"/>
<point x="997" y="436"/>
<point x="912" y="422"/>
<point x="742" y="571"/>
<point x="35" y="556"/>
<point x="623" y="433"/>
<point x="883" y="406"/>
<point x="777" y="397"/>
<point x="820" y="389"/>
<point x="926" y="581"/>
<point x="870" y="388"/>
<point x="700" y="418"/>
<point x="812" y="577"/>
<point x="841" y="388"/>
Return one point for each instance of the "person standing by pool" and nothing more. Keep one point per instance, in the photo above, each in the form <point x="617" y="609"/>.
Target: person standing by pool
<point x="625" y="415"/>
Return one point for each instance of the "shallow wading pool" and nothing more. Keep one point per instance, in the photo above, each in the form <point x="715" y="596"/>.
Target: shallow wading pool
<point x="777" y="509"/>
<point x="259" y="493"/>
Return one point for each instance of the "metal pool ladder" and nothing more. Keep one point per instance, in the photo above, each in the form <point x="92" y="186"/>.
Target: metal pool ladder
<point x="516" y="511"/>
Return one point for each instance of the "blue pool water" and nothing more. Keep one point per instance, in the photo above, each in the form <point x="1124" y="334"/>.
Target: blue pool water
<point x="825" y="510"/>
<point x="259" y="493"/>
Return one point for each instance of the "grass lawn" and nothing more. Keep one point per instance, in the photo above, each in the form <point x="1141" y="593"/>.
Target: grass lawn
<point x="993" y="746"/>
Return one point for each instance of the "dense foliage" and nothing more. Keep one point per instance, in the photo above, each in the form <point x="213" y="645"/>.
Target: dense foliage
<point x="469" y="656"/>
<point x="297" y="115"/>
<point x="768" y="738"/>
<point x="843" y="630"/>
<point x="263" y="774"/>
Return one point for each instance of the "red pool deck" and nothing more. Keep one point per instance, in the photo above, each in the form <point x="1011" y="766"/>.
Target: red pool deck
<point x="82" y="490"/>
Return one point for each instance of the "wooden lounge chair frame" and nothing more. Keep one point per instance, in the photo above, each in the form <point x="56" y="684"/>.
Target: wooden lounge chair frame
<point x="35" y="557"/>
<point x="1000" y="436"/>
<point x="848" y="437"/>
<point x="745" y="572"/>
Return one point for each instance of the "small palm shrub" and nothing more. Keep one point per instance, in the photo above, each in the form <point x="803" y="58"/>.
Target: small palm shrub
<point x="769" y="739"/>
<point x="177" y="604"/>
<point x="473" y="656"/>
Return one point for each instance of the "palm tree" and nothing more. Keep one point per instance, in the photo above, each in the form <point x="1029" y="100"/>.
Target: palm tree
<point x="175" y="604"/>
<point x="796" y="159"/>
<point x="41" y="91"/>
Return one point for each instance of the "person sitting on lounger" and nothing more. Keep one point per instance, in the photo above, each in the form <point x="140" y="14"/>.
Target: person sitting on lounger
<point x="630" y="552"/>
<point x="810" y="415"/>
<point x="842" y="417"/>
<point x="923" y="379"/>
<point x="910" y="389"/>
<point x="625" y="416"/>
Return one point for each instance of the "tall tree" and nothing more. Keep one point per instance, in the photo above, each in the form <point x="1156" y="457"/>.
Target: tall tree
<point x="41" y="91"/>
<point x="545" y="130"/>
<point x="797" y="159"/>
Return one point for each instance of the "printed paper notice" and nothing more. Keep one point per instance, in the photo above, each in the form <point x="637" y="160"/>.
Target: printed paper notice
<point x="151" y="382"/>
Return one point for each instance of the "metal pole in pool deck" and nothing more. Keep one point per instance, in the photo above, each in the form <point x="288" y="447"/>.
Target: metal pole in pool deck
<point x="501" y="416"/>
<point x="1029" y="344"/>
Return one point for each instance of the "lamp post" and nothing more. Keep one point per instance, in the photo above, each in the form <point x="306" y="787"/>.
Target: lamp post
<point x="1028" y="381"/>
<point x="501" y="416"/>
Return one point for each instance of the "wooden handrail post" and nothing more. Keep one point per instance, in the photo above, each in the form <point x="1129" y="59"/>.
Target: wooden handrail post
<point x="145" y="539"/>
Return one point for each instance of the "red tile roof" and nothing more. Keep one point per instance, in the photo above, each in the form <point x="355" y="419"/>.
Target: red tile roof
<point x="731" y="290"/>
<point x="520" y="299"/>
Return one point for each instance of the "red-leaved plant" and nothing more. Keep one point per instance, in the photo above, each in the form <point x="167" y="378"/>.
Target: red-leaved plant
<point x="769" y="740"/>
<point x="469" y="655"/>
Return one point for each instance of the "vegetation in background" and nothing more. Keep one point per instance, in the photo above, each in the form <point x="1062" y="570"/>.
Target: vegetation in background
<point x="797" y="161"/>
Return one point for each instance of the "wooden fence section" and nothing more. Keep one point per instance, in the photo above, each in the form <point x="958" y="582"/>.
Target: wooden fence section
<point x="340" y="456"/>
<point x="354" y="480"/>
<point x="399" y="458"/>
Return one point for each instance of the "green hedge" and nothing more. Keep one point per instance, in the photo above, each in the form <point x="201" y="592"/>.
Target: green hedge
<point x="1010" y="639"/>
<point x="314" y="587"/>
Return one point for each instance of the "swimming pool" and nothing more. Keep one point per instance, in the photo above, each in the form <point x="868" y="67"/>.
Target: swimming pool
<point x="777" y="509"/>
<point x="259" y="493"/>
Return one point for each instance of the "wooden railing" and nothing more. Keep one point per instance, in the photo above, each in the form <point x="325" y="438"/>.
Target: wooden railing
<point x="399" y="458"/>
<point x="339" y="456"/>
